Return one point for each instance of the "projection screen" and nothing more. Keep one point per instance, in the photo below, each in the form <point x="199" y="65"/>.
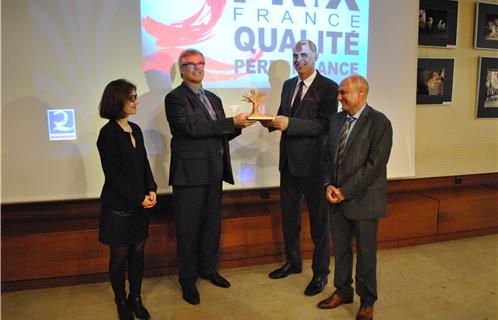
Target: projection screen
<point x="57" y="56"/>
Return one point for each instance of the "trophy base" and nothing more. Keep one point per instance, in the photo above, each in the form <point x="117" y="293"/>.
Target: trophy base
<point x="260" y="117"/>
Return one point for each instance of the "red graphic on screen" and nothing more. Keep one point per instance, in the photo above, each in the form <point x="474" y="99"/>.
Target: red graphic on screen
<point x="174" y="37"/>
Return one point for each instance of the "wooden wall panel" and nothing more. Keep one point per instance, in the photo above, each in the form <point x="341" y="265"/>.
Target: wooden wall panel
<point x="409" y="215"/>
<point x="160" y="247"/>
<point x="51" y="243"/>
<point x="264" y="233"/>
<point x="45" y="255"/>
<point x="466" y="209"/>
<point x="233" y="242"/>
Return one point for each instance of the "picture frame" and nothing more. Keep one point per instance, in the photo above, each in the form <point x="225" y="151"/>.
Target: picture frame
<point x="486" y="26"/>
<point x="437" y="23"/>
<point x="487" y="88"/>
<point x="435" y="80"/>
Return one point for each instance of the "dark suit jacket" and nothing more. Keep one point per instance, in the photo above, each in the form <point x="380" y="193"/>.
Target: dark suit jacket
<point x="363" y="175"/>
<point x="301" y="144"/>
<point x="199" y="146"/>
<point x="128" y="178"/>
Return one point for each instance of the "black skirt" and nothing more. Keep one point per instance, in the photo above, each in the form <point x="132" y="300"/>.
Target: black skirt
<point x="119" y="228"/>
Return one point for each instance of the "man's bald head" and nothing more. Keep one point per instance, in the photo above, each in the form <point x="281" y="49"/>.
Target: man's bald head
<point x="353" y="93"/>
<point x="358" y="82"/>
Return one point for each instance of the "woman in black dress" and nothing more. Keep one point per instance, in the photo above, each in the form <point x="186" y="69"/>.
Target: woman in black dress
<point x="129" y="189"/>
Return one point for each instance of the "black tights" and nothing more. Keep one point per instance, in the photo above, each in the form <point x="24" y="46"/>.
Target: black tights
<point x="133" y="255"/>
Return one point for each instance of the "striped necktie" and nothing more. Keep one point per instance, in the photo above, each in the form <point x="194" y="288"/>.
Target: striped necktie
<point x="207" y="105"/>
<point x="343" y="139"/>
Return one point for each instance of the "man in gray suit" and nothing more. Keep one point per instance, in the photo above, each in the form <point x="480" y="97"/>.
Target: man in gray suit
<point x="355" y="158"/>
<point x="308" y="102"/>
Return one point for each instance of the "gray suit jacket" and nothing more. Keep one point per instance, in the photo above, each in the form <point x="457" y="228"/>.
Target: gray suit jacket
<point x="199" y="146"/>
<point x="363" y="175"/>
<point x="301" y="144"/>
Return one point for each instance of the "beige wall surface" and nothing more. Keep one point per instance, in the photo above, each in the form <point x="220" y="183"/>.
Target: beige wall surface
<point x="450" y="139"/>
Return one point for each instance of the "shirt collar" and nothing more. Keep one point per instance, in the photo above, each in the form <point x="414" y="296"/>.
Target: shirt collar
<point x="195" y="90"/>
<point x="308" y="81"/>
<point x="116" y="126"/>
<point x="357" y="114"/>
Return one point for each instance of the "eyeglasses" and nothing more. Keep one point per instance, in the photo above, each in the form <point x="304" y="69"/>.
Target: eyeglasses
<point x="191" y="64"/>
<point x="132" y="98"/>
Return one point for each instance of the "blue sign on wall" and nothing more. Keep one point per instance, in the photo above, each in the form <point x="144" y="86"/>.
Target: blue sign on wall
<point x="61" y="124"/>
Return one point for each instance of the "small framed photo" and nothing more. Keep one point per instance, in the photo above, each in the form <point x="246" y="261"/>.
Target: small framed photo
<point x="486" y="27"/>
<point x="487" y="88"/>
<point x="437" y="23"/>
<point x="434" y="81"/>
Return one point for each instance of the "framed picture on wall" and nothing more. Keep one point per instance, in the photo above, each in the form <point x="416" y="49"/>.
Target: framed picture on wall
<point x="486" y="27"/>
<point x="487" y="88"/>
<point x="434" y="80"/>
<point x="437" y="23"/>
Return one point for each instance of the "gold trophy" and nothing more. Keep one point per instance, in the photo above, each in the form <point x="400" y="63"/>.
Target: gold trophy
<point x="256" y="98"/>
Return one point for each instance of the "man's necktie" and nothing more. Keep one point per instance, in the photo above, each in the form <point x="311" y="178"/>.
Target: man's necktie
<point x="207" y="105"/>
<point x="343" y="139"/>
<point x="297" y="99"/>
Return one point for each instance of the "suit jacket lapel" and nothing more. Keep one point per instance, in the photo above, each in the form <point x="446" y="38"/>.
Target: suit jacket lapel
<point x="357" y="128"/>
<point x="310" y="93"/>
<point x="217" y="108"/>
<point x="289" y="92"/>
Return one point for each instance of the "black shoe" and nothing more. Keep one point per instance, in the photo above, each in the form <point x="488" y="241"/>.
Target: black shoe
<point x="124" y="311"/>
<point x="190" y="294"/>
<point x="284" y="271"/>
<point x="316" y="285"/>
<point x="137" y="307"/>
<point x="217" y="280"/>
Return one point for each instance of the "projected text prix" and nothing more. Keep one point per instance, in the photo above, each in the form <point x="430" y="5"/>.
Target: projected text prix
<point x="271" y="39"/>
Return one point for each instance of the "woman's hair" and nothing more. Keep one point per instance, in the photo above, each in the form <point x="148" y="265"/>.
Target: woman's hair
<point x="114" y="97"/>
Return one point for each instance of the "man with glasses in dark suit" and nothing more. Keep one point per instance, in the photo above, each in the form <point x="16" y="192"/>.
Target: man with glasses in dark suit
<point x="200" y="162"/>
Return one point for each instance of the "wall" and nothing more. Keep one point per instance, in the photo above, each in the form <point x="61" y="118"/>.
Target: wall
<point x="450" y="140"/>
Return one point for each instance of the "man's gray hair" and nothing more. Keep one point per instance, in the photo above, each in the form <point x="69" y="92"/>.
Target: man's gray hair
<point x="187" y="53"/>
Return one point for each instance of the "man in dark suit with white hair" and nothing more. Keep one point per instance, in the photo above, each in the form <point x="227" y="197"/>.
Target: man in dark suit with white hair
<point x="308" y="102"/>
